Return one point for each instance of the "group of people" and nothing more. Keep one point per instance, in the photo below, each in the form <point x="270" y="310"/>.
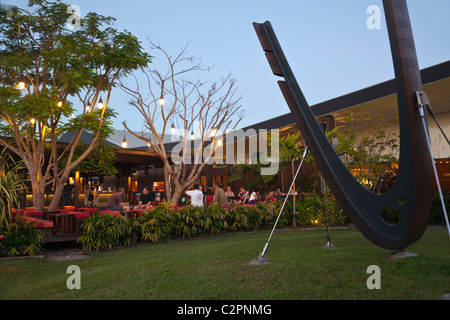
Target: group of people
<point x="245" y="197"/>
<point x="225" y="198"/>
<point x="145" y="200"/>
<point x="196" y="195"/>
<point x="92" y="194"/>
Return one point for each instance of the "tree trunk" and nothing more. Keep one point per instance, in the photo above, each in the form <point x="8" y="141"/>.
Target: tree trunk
<point x="176" y="194"/>
<point x="38" y="192"/>
<point x="59" y="187"/>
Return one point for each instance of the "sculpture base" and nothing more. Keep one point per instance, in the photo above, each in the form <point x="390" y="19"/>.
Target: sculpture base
<point x="401" y="254"/>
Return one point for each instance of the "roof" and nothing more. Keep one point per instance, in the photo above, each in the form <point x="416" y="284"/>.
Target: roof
<point x="380" y="97"/>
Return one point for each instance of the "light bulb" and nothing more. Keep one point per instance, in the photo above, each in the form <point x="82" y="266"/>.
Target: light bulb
<point x="100" y="104"/>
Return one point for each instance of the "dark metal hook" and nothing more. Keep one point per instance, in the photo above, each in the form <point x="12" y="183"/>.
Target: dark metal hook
<point x="412" y="191"/>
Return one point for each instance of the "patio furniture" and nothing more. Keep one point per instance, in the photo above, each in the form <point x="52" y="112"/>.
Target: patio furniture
<point x="134" y="213"/>
<point x="29" y="213"/>
<point x="90" y="210"/>
<point x="45" y="226"/>
<point x="65" y="210"/>
<point x="79" y="218"/>
<point x="62" y="222"/>
<point x="110" y="212"/>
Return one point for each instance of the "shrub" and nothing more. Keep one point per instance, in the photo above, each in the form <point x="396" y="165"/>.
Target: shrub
<point x="164" y="223"/>
<point x="437" y="213"/>
<point x="20" y="238"/>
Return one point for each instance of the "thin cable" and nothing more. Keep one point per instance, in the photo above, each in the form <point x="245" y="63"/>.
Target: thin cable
<point x="431" y="112"/>
<point x="285" y="199"/>
<point x="422" y="114"/>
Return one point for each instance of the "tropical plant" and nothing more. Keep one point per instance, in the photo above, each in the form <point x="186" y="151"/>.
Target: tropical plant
<point x="165" y="223"/>
<point x="20" y="238"/>
<point x="44" y="68"/>
<point x="12" y="186"/>
<point x="369" y="151"/>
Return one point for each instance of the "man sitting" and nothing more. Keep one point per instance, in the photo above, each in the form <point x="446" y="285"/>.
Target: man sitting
<point x="196" y="196"/>
<point x="219" y="195"/>
<point x="145" y="200"/>
<point x="115" y="201"/>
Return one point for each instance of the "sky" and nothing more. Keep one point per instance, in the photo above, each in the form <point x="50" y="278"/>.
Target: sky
<point x="330" y="49"/>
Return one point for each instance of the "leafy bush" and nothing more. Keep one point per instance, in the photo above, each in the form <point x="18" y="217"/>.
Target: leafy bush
<point x="437" y="213"/>
<point x="164" y="223"/>
<point x="20" y="238"/>
<point x="11" y="186"/>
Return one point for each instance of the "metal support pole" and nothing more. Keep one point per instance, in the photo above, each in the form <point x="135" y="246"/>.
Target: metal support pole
<point x="420" y="97"/>
<point x="261" y="259"/>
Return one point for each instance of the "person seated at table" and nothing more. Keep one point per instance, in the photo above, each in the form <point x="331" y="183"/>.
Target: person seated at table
<point x="115" y="201"/>
<point x="243" y="196"/>
<point x="196" y="196"/>
<point x="229" y="193"/>
<point x="145" y="200"/>
<point x="254" y="197"/>
<point x="219" y="195"/>
<point x="273" y="194"/>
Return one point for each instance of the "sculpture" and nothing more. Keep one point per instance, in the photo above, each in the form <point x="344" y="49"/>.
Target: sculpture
<point x="412" y="191"/>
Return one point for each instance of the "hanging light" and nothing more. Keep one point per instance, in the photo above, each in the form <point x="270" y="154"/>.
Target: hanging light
<point x="172" y="129"/>
<point x="21" y="85"/>
<point x="192" y="135"/>
<point x="124" y="141"/>
<point x="100" y="104"/>
<point x="213" y="131"/>
<point x="60" y="104"/>
<point x="32" y="120"/>
<point x="162" y="101"/>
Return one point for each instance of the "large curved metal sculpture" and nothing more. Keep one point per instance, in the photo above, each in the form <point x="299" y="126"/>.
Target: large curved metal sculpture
<point x="412" y="190"/>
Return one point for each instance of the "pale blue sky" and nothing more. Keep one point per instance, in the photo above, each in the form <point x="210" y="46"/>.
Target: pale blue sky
<point x="327" y="43"/>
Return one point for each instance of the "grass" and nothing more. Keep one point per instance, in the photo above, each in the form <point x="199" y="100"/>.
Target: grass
<point x="218" y="267"/>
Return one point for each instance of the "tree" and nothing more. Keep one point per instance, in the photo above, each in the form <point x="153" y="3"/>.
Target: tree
<point x="370" y="150"/>
<point x="197" y="109"/>
<point x="290" y="151"/>
<point x="11" y="186"/>
<point x="43" y="66"/>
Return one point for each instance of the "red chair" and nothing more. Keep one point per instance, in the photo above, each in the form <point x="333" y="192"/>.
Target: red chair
<point x="109" y="212"/>
<point x="38" y="223"/>
<point x="209" y="199"/>
<point x="64" y="210"/>
<point x="90" y="210"/>
<point x="29" y="213"/>
<point x="79" y="217"/>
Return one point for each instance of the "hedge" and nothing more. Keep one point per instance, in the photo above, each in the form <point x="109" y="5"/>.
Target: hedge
<point x="164" y="223"/>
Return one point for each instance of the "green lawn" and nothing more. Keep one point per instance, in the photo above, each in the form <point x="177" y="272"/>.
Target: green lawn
<point x="217" y="267"/>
